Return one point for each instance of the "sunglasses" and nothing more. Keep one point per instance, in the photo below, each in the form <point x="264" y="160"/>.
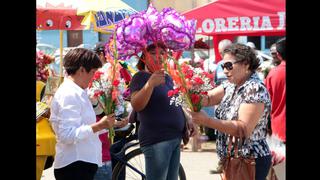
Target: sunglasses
<point x="228" y="65"/>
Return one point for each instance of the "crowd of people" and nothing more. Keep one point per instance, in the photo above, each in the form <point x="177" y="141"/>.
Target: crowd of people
<point x="243" y="103"/>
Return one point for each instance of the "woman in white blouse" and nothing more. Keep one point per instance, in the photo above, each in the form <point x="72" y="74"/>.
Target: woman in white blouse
<point x="78" y="148"/>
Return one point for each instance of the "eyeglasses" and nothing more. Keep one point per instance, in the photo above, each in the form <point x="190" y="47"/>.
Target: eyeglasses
<point x="228" y="65"/>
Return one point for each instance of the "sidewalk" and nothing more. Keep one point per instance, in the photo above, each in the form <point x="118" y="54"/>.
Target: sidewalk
<point x="197" y="165"/>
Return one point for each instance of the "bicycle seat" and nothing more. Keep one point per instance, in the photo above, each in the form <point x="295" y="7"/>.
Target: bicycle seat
<point x="124" y="131"/>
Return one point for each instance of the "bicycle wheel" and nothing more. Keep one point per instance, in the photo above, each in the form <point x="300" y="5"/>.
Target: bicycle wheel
<point x="136" y="159"/>
<point x="182" y="174"/>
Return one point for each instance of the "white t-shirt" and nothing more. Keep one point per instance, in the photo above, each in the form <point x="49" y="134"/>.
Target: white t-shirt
<point x="71" y="117"/>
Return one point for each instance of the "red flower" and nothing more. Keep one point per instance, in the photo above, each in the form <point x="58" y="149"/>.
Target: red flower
<point x="204" y="93"/>
<point x="208" y="75"/>
<point x="116" y="83"/>
<point x="185" y="68"/>
<point x="170" y="93"/>
<point x="97" y="75"/>
<point x="98" y="93"/>
<point x="175" y="91"/>
<point x="183" y="90"/>
<point x="189" y="74"/>
<point x="195" y="98"/>
<point x="198" y="81"/>
<point x="195" y="108"/>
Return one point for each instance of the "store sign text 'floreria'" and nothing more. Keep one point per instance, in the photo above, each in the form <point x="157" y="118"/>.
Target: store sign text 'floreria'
<point x="243" y="23"/>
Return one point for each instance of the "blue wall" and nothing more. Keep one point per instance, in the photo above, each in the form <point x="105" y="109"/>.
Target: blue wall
<point x="138" y="5"/>
<point x="52" y="37"/>
<point x="89" y="37"/>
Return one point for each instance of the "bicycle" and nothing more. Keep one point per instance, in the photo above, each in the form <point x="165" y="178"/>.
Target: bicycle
<point x="132" y="165"/>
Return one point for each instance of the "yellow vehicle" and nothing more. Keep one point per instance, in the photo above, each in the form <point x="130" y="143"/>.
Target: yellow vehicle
<point x="45" y="138"/>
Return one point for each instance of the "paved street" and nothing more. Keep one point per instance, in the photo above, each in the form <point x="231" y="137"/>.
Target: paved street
<point x="196" y="164"/>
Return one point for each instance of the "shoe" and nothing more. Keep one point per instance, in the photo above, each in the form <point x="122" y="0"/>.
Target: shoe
<point x="217" y="171"/>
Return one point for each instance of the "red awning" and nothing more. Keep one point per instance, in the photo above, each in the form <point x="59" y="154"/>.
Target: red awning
<point x="225" y="19"/>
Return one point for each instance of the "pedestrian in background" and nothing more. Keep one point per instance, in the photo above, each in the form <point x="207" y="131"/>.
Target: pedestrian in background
<point x="276" y="85"/>
<point x="105" y="171"/>
<point x="273" y="51"/>
<point x="219" y="76"/>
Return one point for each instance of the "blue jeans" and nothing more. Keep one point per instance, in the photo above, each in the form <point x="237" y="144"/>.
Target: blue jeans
<point x="162" y="160"/>
<point x="104" y="172"/>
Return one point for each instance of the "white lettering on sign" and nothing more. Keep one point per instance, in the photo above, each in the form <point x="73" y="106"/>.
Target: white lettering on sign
<point x="220" y="25"/>
<point x="256" y="23"/>
<point x="245" y="24"/>
<point x="281" y="19"/>
<point x="232" y="22"/>
<point x="205" y="24"/>
<point x="266" y="23"/>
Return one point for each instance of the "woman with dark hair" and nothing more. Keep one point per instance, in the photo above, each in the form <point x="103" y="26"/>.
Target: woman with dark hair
<point x="161" y="125"/>
<point x="244" y="106"/>
<point x="78" y="148"/>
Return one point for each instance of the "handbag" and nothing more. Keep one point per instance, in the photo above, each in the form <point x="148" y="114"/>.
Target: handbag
<point x="237" y="167"/>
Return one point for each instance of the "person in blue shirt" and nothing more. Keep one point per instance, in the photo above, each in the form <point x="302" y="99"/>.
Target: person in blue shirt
<point x="161" y="125"/>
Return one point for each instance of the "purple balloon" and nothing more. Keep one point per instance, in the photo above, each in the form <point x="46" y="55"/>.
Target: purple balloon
<point x="146" y="27"/>
<point x="152" y="19"/>
<point x="134" y="32"/>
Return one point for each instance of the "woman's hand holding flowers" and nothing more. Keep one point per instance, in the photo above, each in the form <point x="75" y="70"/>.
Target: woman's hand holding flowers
<point x="107" y="121"/>
<point x="157" y="78"/>
<point x="199" y="117"/>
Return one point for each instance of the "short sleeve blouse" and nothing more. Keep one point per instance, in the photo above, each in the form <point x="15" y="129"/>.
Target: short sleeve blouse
<point x="252" y="91"/>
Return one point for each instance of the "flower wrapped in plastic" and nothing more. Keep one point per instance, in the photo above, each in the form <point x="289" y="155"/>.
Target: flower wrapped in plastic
<point x="190" y="86"/>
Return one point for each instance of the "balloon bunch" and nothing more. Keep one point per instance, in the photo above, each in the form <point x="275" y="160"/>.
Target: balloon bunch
<point x="133" y="35"/>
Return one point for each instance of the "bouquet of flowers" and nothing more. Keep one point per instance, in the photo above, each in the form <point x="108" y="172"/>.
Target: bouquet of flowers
<point x="107" y="88"/>
<point x="190" y="85"/>
<point x="42" y="68"/>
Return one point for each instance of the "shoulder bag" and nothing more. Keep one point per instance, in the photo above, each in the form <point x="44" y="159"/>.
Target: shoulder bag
<point x="237" y="167"/>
